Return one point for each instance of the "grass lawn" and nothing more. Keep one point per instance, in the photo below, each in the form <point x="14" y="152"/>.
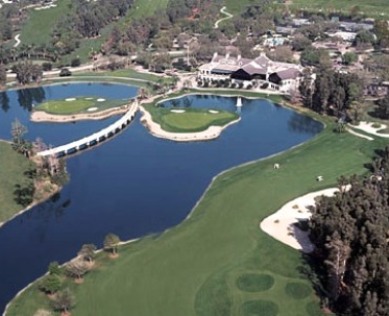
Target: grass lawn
<point x="200" y="267"/>
<point x="12" y="168"/>
<point x="192" y="120"/>
<point x="40" y="23"/>
<point x="371" y="8"/>
<point x="79" y="105"/>
<point x="144" y="8"/>
<point x="125" y="74"/>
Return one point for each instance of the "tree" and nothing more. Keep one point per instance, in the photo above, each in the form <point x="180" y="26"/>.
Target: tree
<point x="76" y="269"/>
<point x="50" y="284"/>
<point x="3" y="75"/>
<point x="349" y="58"/>
<point x="111" y="242"/>
<point x="18" y="130"/>
<point x="87" y="252"/>
<point x="54" y="268"/>
<point x="63" y="301"/>
<point x="350" y="232"/>
<point x="383" y="107"/>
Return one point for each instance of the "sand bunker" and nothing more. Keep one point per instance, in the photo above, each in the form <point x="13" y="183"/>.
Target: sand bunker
<point x="70" y="99"/>
<point x="369" y="127"/>
<point x="92" y="109"/>
<point x="100" y="100"/>
<point x="88" y="98"/>
<point x="177" y="111"/>
<point x="213" y="111"/>
<point x="281" y="224"/>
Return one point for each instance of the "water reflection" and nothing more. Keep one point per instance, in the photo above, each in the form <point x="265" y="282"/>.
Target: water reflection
<point x="4" y="101"/>
<point x="303" y="124"/>
<point x="27" y="97"/>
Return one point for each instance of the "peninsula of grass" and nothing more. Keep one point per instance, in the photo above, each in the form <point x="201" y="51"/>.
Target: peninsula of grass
<point x="78" y="105"/>
<point x="193" y="268"/>
<point x="13" y="167"/>
<point x="184" y="120"/>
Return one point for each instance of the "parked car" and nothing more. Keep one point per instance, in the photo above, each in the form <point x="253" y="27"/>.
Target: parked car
<point x="65" y="72"/>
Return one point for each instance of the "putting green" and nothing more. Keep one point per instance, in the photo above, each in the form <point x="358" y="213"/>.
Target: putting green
<point x="78" y="105"/>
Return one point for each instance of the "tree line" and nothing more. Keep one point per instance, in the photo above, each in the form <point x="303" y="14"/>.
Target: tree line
<point x="350" y="232"/>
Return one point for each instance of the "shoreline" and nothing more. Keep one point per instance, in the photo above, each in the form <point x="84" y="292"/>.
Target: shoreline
<point x="155" y="129"/>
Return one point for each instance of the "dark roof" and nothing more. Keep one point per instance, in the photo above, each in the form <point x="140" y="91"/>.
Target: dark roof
<point x="290" y="73"/>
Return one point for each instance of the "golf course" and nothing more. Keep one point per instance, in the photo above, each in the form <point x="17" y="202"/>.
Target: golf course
<point x="218" y="261"/>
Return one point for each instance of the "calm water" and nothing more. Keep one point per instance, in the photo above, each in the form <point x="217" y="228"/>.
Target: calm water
<point x="132" y="185"/>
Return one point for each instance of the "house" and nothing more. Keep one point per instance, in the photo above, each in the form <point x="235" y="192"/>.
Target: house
<point x="261" y="71"/>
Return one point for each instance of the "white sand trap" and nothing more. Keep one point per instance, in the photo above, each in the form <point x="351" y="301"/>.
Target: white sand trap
<point x="70" y="99"/>
<point x="280" y="225"/>
<point x="177" y="111"/>
<point x="88" y="98"/>
<point x="370" y="129"/>
<point x="100" y="100"/>
<point x="92" y="109"/>
<point x="213" y="111"/>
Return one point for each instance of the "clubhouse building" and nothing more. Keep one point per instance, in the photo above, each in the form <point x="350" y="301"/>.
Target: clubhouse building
<point x="260" y="72"/>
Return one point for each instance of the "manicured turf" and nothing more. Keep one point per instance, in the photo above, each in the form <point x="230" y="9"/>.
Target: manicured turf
<point x="253" y="282"/>
<point x="259" y="308"/>
<point x="370" y="8"/>
<point x="143" y="8"/>
<point x="12" y="168"/>
<point x="193" y="120"/>
<point x="298" y="290"/>
<point x="80" y="105"/>
<point x="40" y="23"/>
<point x="192" y="269"/>
<point x="126" y="73"/>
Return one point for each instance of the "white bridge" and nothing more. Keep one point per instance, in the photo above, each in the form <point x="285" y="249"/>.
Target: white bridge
<point x="96" y="137"/>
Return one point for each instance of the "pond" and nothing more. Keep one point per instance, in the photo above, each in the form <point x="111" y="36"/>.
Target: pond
<point x="133" y="184"/>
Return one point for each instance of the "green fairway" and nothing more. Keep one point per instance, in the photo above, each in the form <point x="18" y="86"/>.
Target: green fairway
<point x="40" y="23"/>
<point x="143" y="8"/>
<point x="126" y="74"/>
<point x="200" y="267"/>
<point x="188" y="119"/>
<point x="370" y="8"/>
<point x="12" y="168"/>
<point x="78" y="105"/>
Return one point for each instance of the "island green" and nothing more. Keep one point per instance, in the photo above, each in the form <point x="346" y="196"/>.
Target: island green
<point x="78" y="105"/>
<point x="181" y="120"/>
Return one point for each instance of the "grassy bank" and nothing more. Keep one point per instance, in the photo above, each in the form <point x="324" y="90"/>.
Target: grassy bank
<point x="191" y="120"/>
<point x="12" y="169"/>
<point x="78" y="105"/>
<point x="125" y="73"/>
<point x="204" y="265"/>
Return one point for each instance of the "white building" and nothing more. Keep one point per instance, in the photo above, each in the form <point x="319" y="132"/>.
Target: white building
<point x="258" y="72"/>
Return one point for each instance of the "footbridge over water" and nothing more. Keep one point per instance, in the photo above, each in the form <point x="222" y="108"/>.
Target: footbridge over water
<point x="95" y="138"/>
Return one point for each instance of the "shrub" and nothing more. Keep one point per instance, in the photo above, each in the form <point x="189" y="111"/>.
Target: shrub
<point x="75" y="62"/>
<point x="47" y="66"/>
